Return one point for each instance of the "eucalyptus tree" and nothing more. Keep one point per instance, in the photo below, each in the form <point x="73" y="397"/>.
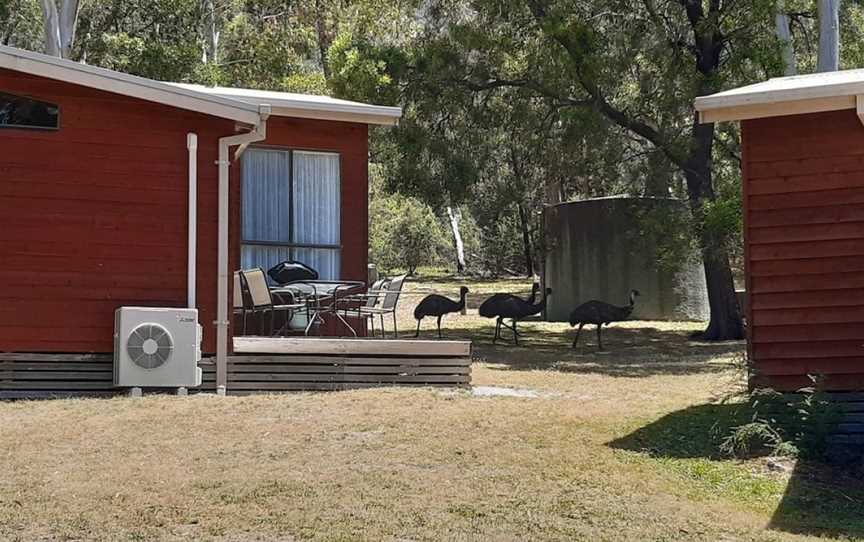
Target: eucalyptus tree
<point x="829" y="36"/>
<point x="20" y="24"/>
<point x="784" y="35"/>
<point x="60" y="18"/>
<point x="151" y="38"/>
<point x="639" y="64"/>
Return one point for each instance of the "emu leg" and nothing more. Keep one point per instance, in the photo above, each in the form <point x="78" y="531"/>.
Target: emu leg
<point x="500" y="325"/>
<point x="439" y="327"/>
<point x="576" y="339"/>
<point x="599" y="340"/>
<point x="417" y="334"/>
<point x="515" y="333"/>
<point x="497" y="328"/>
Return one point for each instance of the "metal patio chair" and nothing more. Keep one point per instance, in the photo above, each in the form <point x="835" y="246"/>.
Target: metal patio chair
<point x="261" y="300"/>
<point x="353" y="304"/>
<point x="240" y="300"/>
<point x="389" y="298"/>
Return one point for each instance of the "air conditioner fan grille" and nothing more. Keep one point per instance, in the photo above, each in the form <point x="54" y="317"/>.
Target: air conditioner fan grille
<point x="149" y="346"/>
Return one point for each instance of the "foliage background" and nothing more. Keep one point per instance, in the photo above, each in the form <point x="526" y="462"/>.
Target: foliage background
<point x="494" y="123"/>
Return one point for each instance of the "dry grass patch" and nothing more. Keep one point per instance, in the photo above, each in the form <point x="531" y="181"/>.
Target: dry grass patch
<point x="594" y="458"/>
<point x="386" y="464"/>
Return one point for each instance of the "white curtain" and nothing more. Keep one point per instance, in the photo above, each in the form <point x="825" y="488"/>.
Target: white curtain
<point x="266" y="195"/>
<point x="317" y="205"/>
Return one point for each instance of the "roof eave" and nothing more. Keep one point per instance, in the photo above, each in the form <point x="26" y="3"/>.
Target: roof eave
<point x="359" y="116"/>
<point x="774" y="109"/>
<point x="127" y="85"/>
<point x="743" y="105"/>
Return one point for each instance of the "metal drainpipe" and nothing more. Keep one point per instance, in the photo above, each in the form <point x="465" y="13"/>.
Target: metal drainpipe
<point x="258" y="133"/>
<point x="192" y="145"/>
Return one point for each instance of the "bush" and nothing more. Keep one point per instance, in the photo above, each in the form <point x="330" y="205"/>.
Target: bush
<point x="784" y="425"/>
<point x="404" y="234"/>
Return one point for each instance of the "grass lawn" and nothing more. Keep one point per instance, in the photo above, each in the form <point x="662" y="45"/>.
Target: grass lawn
<point x="619" y="445"/>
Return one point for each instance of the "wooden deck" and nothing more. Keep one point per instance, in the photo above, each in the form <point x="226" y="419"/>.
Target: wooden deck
<point x="259" y="365"/>
<point x="286" y="364"/>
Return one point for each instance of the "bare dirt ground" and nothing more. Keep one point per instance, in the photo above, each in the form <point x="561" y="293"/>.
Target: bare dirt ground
<point x="610" y="446"/>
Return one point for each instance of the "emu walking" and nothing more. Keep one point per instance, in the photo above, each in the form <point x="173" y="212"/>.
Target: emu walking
<point x="599" y="313"/>
<point x="503" y="306"/>
<point x="438" y="305"/>
<point x="486" y="308"/>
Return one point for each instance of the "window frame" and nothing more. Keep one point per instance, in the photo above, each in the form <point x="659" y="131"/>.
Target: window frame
<point x="291" y="244"/>
<point x="29" y="126"/>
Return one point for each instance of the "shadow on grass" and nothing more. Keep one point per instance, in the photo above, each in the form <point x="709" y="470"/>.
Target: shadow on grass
<point x="629" y="351"/>
<point x="822" y="501"/>
<point x="819" y="500"/>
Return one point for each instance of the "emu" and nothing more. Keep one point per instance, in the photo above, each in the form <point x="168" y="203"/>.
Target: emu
<point x="599" y="313"/>
<point x="503" y="306"/>
<point x="438" y="305"/>
<point x="485" y="309"/>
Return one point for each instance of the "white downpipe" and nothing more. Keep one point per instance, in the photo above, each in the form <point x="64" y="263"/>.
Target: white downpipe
<point x="258" y="133"/>
<point x="192" y="145"/>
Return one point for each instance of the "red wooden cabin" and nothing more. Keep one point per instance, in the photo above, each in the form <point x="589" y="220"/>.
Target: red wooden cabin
<point x="95" y="198"/>
<point x="803" y="176"/>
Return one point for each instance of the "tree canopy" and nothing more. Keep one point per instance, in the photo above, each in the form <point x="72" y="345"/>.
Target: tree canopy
<point x="509" y="104"/>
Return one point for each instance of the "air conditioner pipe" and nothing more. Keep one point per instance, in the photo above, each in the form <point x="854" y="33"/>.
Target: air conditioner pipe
<point x="192" y="146"/>
<point x="258" y="133"/>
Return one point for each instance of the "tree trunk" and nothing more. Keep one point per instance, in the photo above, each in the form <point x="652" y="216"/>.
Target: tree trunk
<point x="457" y="239"/>
<point x="211" y="29"/>
<point x="554" y="192"/>
<point x="829" y="36"/>
<point x="323" y="39"/>
<point x="51" y="23"/>
<point x="59" y="27"/>
<point x="725" y="323"/>
<point x="68" y="22"/>
<point x="659" y="178"/>
<point x="785" y="36"/>
<point x="526" y="241"/>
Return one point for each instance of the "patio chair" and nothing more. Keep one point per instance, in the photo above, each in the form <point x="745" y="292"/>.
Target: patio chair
<point x="240" y="300"/>
<point x="261" y="300"/>
<point x="389" y="297"/>
<point x="354" y="304"/>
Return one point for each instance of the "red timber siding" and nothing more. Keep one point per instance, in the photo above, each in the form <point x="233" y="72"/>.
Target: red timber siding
<point x="94" y="216"/>
<point x="804" y="217"/>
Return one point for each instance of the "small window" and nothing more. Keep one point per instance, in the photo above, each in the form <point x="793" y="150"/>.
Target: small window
<point x="22" y="112"/>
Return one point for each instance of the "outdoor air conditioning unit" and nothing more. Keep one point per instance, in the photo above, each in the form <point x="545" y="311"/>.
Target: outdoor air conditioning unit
<point x="156" y="347"/>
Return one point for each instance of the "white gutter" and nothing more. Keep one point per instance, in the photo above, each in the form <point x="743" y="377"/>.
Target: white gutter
<point x="258" y="133"/>
<point x="192" y="146"/>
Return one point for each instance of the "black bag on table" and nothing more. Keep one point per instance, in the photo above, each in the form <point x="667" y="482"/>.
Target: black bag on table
<point x="291" y="271"/>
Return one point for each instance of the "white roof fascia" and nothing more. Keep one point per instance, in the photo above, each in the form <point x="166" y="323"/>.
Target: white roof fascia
<point x="785" y="96"/>
<point x="285" y="104"/>
<point x="127" y="85"/>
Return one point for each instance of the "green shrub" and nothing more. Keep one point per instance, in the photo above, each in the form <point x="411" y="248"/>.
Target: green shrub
<point x="784" y="425"/>
<point x="404" y="233"/>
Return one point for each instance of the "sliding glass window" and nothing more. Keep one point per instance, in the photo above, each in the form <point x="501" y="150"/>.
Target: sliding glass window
<point x="292" y="209"/>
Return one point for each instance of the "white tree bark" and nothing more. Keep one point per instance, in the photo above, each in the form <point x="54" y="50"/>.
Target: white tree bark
<point x="68" y="22"/>
<point x="211" y="47"/>
<point x="51" y="21"/>
<point x="829" y="36"/>
<point x="784" y="34"/>
<point x="59" y="26"/>
<point x="457" y="238"/>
